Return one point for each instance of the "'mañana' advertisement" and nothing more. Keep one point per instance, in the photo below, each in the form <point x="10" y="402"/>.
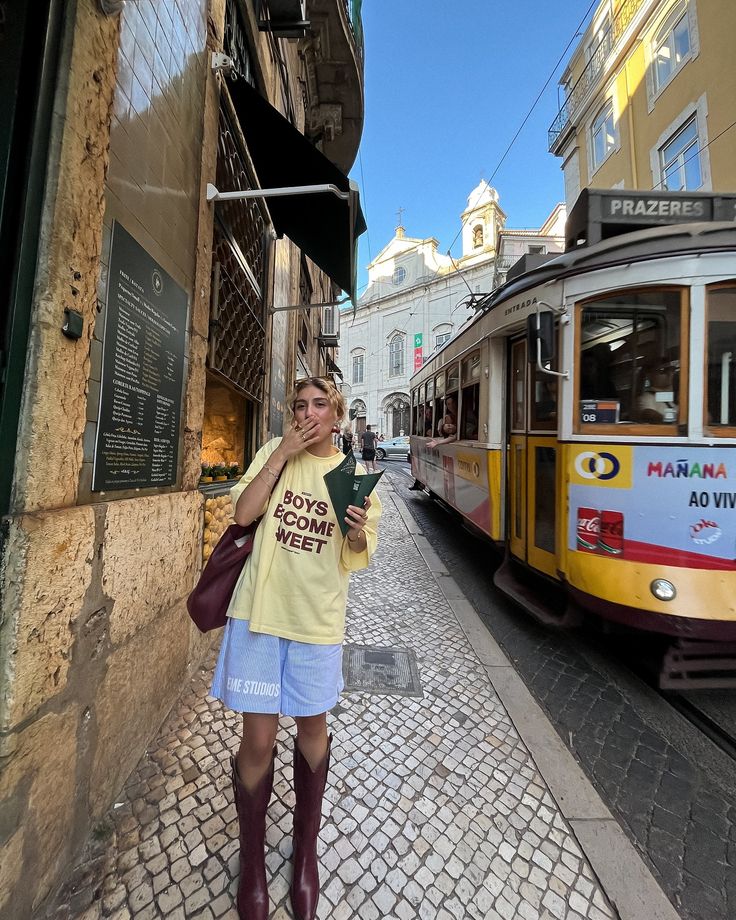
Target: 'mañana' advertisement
<point x="665" y="505"/>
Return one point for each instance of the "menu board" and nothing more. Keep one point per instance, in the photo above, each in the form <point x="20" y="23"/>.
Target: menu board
<point x="142" y="372"/>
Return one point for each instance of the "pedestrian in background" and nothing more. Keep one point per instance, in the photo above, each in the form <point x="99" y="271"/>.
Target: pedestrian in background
<point x="368" y="448"/>
<point x="281" y="651"/>
<point x="347" y="441"/>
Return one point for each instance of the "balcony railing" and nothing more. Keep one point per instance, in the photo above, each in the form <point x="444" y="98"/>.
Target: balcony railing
<point x="352" y="9"/>
<point x="592" y="69"/>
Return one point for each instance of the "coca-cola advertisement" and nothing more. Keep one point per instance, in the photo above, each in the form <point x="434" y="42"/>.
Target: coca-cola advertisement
<point x="612" y="533"/>
<point x="588" y="529"/>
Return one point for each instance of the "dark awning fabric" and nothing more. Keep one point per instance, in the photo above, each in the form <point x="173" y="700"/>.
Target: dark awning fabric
<point x="325" y="227"/>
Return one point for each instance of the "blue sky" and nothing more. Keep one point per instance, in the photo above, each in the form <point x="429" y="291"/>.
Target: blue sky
<point x="446" y="87"/>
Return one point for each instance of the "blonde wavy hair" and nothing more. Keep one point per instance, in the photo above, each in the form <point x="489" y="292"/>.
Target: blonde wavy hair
<point x="327" y="385"/>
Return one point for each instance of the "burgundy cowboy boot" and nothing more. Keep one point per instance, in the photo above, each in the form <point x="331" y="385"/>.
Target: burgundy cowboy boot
<point x="252" y="898"/>
<point x="309" y="787"/>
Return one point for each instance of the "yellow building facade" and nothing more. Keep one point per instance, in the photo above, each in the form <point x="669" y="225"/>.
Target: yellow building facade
<point x="648" y="99"/>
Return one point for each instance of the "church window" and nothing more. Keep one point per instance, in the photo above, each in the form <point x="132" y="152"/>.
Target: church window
<point x="396" y="356"/>
<point x="399" y="275"/>
<point x="358" y="368"/>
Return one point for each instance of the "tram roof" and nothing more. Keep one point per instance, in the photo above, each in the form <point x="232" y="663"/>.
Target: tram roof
<point x="638" y="246"/>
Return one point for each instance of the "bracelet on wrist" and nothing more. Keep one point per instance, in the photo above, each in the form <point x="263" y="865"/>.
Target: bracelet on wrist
<point x="356" y="539"/>
<point x="269" y="470"/>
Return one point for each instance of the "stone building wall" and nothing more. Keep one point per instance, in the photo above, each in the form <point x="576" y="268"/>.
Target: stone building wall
<point x="95" y="637"/>
<point x="95" y="642"/>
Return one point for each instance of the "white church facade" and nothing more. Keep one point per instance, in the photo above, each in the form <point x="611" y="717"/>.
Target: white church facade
<point x="416" y="299"/>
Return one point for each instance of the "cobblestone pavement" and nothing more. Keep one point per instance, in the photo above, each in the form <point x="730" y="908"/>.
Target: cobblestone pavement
<point x="671" y="790"/>
<point x="434" y="808"/>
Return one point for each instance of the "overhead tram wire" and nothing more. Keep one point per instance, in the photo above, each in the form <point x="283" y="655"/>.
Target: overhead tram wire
<point x="365" y="206"/>
<point x="460" y="272"/>
<point x="529" y="113"/>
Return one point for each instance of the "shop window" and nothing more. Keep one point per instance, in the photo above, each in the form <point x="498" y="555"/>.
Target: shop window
<point x="225" y="427"/>
<point x="629" y="359"/>
<point x="721" y="375"/>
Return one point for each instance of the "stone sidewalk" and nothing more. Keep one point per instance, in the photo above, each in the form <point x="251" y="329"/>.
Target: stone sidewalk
<point x="434" y="807"/>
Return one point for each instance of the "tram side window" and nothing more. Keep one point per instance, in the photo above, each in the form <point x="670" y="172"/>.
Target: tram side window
<point x="415" y="412"/>
<point x="543" y="409"/>
<point x="450" y="427"/>
<point x="629" y="359"/>
<point x="721" y="382"/>
<point x="426" y="420"/>
<point x="470" y="398"/>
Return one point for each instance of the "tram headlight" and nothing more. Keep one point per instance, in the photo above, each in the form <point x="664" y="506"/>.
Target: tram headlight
<point x="663" y="590"/>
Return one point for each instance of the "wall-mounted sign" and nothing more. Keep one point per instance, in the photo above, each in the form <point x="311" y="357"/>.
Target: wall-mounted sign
<point x="418" y="350"/>
<point x="142" y="371"/>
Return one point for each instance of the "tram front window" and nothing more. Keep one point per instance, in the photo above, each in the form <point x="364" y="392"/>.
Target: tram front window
<point x="629" y="359"/>
<point x="721" y="382"/>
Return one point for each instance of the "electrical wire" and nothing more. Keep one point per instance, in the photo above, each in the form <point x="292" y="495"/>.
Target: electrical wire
<point x="365" y="205"/>
<point x="461" y="272"/>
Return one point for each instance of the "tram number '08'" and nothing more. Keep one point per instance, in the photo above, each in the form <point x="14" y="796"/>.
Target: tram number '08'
<point x="599" y="412"/>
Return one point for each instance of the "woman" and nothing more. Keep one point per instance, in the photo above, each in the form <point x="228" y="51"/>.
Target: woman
<point x="347" y="441"/>
<point x="282" y="647"/>
<point x="447" y="428"/>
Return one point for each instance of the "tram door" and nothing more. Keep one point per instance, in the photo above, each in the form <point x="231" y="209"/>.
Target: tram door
<point x="532" y="462"/>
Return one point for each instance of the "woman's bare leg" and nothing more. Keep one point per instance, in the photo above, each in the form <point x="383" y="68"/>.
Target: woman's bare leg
<point x="256" y="747"/>
<point x="311" y="738"/>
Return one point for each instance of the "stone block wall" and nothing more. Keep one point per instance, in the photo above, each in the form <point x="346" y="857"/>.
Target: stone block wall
<point x="95" y="639"/>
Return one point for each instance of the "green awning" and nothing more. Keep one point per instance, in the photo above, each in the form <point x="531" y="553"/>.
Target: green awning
<point x="324" y="227"/>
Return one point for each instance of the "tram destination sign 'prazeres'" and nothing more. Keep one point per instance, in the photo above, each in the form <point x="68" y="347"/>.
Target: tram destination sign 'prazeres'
<point x="659" y="210"/>
<point x="601" y="213"/>
<point x="142" y="372"/>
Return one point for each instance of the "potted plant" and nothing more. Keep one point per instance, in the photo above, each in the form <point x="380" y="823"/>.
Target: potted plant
<point x="233" y="471"/>
<point x="206" y="473"/>
<point x="219" y="472"/>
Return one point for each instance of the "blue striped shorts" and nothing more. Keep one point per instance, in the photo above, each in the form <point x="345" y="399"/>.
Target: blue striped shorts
<point x="256" y="672"/>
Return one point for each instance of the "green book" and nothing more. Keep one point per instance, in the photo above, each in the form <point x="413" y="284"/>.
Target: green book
<point x="347" y="488"/>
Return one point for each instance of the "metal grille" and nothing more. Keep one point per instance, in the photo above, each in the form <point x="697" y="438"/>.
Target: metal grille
<point x="244" y="221"/>
<point x="237" y="335"/>
<point x="381" y="670"/>
<point x="235" y="44"/>
<point x="237" y="339"/>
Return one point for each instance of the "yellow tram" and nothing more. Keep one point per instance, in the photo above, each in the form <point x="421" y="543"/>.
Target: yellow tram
<point x="585" y="418"/>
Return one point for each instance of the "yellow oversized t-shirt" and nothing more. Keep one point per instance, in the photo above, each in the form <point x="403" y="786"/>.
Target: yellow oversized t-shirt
<point x="295" y="582"/>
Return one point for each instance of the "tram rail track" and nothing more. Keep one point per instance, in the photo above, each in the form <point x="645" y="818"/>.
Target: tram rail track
<point x="705" y="723"/>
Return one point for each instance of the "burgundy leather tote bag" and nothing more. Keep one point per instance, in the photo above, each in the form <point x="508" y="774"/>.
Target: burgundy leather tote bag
<point x="210" y="599"/>
<point x="208" y="602"/>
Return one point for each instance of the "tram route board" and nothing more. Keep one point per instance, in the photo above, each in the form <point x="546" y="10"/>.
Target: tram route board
<point x="142" y="371"/>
